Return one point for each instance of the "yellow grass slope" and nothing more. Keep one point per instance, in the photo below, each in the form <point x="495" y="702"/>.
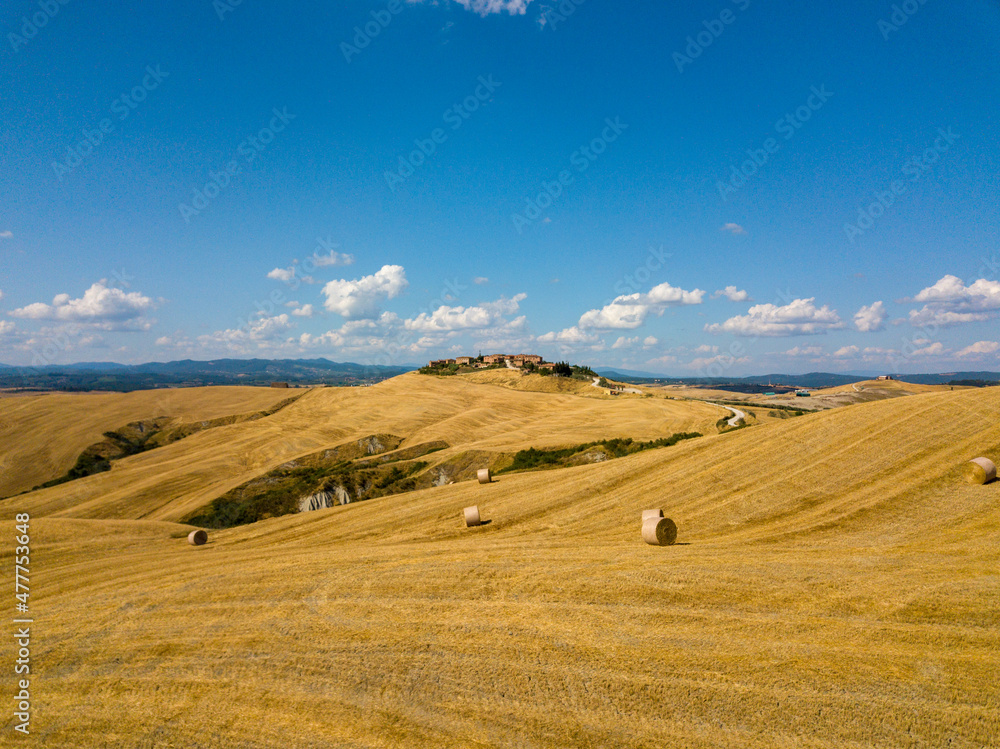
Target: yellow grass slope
<point x="41" y="436"/>
<point x="170" y="482"/>
<point x="837" y="589"/>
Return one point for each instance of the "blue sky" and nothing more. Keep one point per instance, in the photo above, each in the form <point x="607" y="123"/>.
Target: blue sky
<point x="723" y="188"/>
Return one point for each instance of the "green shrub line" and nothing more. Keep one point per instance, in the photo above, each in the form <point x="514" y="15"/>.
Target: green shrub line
<point x="526" y="460"/>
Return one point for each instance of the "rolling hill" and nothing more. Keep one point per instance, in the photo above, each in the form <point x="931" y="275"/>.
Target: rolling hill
<point x="834" y="584"/>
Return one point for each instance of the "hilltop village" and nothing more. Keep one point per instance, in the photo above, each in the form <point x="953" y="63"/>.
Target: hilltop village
<point x="518" y="361"/>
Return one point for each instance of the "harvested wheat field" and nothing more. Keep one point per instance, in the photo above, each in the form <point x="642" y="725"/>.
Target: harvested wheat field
<point x="42" y="434"/>
<point x="834" y="584"/>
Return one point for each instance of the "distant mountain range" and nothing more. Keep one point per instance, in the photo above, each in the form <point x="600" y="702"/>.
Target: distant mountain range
<point x="809" y="380"/>
<point x="188" y="373"/>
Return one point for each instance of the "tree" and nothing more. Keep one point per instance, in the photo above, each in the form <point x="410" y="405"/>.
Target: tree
<point x="563" y="369"/>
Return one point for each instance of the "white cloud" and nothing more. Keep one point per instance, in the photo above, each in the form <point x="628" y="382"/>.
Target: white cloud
<point x="485" y="7"/>
<point x="630" y="311"/>
<point x="871" y="318"/>
<point x="935" y="349"/>
<point x="732" y="294"/>
<point x="942" y="318"/>
<point x="650" y="341"/>
<point x="252" y="336"/>
<point x="846" y="352"/>
<point x="733" y="228"/>
<point x="164" y="341"/>
<point x="100" y="305"/>
<point x="569" y="335"/>
<point x="951" y="302"/>
<point x="282" y="274"/>
<point x="445" y="318"/>
<point x="480" y="280"/>
<point x="666" y="359"/>
<point x="624" y="342"/>
<point x="982" y="294"/>
<point x="805" y="351"/>
<point x="1" y="296"/>
<point x="6" y="234"/>
<point x="6" y="327"/>
<point x="706" y="349"/>
<point x="800" y="317"/>
<point x="306" y="310"/>
<point x="979" y="349"/>
<point x="360" y="298"/>
<point x="333" y="258"/>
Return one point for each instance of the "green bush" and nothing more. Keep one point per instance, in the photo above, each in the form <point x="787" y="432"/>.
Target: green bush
<point x="617" y="447"/>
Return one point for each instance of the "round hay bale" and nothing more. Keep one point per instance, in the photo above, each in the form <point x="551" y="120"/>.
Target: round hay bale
<point x="484" y="476"/>
<point x="981" y="471"/>
<point x="472" y="518"/>
<point x="659" y="531"/>
<point x="646" y="514"/>
<point x="197" y="538"/>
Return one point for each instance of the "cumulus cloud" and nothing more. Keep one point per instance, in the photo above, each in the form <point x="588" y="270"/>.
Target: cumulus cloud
<point x="733" y="228"/>
<point x="800" y="317"/>
<point x="935" y="349"/>
<point x="6" y="234"/>
<point x="805" y="351"/>
<point x="845" y="352"/>
<point x="360" y="298"/>
<point x="732" y="294"/>
<point x="6" y="327"/>
<point x="951" y="302"/>
<point x="630" y="311"/>
<point x="486" y="7"/>
<point x="446" y="318"/>
<point x="480" y="280"/>
<point x="330" y="259"/>
<point x="306" y="310"/>
<point x="650" y="341"/>
<point x="624" y="342"/>
<point x="568" y="335"/>
<point x="979" y="349"/>
<point x="871" y="318"/>
<point x="943" y="318"/>
<point x="282" y="274"/>
<point x="100" y="305"/>
<point x="982" y="294"/>
<point x="250" y="336"/>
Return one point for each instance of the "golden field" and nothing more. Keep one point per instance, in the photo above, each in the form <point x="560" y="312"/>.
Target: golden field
<point x="835" y="584"/>
<point x="42" y="434"/>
